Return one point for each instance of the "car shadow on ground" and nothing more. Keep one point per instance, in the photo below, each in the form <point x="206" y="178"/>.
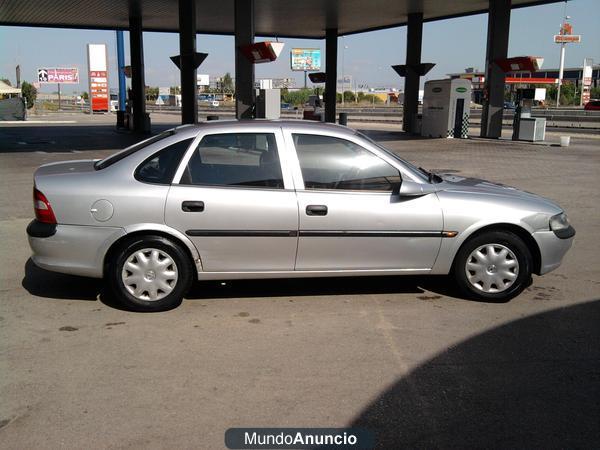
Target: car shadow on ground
<point x="46" y="284"/>
<point x="531" y="383"/>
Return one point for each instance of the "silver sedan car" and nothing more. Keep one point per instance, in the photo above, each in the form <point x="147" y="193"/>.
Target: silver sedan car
<point x="271" y="199"/>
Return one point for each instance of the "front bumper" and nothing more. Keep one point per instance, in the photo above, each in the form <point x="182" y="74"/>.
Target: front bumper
<point x="71" y="249"/>
<point x="552" y="248"/>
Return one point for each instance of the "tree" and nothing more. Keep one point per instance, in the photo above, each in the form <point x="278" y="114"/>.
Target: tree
<point x="7" y="81"/>
<point x="227" y="83"/>
<point x="299" y="97"/>
<point x="348" y="96"/>
<point x="569" y="95"/>
<point x="175" y="90"/>
<point x="595" y="93"/>
<point x="151" y="93"/>
<point x="85" y="96"/>
<point x="29" y="92"/>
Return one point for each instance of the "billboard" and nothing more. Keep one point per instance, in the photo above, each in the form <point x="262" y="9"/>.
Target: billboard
<point x="58" y="75"/>
<point x="567" y="38"/>
<point x="306" y="59"/>
<point x="98" y="77"/>
<point x="586" y="81"/>
<point x="202" y="79"/>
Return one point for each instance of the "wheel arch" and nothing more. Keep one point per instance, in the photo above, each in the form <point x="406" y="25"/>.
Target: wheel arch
<point x="519" y="231"/>
<point x="172" y="235"/>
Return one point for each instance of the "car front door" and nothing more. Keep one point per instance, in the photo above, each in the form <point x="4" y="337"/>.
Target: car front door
<point x="235" y="200"/>
<point x="350" y="219"/>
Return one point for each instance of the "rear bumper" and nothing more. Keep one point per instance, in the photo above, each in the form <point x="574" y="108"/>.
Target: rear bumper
<point x="72" y="249"/>
<point x="552" y="248"/>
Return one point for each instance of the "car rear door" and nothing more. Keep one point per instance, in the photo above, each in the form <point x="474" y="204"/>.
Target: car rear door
<point x="349" y="217"/>
<point x="234" y="198"/>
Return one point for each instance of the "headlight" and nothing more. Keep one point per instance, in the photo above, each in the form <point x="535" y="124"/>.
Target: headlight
<point x="559" y="222"/>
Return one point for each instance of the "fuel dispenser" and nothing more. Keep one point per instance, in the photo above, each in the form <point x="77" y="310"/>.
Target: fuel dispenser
<point x="446" y="108"/>
<point x="525" y="127"/>
<point x="268" y="104"/>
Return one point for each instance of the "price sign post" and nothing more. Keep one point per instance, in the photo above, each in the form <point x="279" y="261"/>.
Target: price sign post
<point x="98" y="77"/>
<point x="565" y="36"/>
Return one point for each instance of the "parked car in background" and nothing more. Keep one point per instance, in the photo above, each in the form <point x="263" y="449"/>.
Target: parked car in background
<point x="593" y="105"/>
<point x="273" y="199"/>
<point x="509" y="105"/>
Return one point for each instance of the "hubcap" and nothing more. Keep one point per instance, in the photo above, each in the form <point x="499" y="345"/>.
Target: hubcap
<point x="492" y="268"/>
<point x="149" y="274"/>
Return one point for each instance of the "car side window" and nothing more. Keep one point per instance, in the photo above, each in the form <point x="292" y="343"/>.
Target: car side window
<point x="161" y="167"/>
<point x="333" y="163"/>
<point x="235" y="159"/>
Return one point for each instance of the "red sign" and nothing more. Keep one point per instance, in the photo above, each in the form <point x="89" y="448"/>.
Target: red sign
<point x="520" y="63"/>
<point x="529" y="80"/>
<point x="566" y="28"/>
<point x="99" y="95"/>
<point x="262" y="52"/>
<point x="567" y="38"/>
<point x="57" y="75"/>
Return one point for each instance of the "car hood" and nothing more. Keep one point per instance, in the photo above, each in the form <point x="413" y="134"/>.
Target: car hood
<point x="455" y="183"/>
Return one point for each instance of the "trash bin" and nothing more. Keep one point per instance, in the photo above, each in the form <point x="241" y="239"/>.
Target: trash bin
<point x="417" y="124"/>
<point x="121" y="119"/>
<point x="147" y="123"/>
<point x="343" y="119"/>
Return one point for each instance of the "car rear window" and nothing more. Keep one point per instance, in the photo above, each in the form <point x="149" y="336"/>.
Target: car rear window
<point x="160" y="168"/>
<point x="109" y="161"/>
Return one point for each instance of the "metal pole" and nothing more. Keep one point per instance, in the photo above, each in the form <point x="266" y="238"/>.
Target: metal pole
<point x="58" y="96"/>
<point x="560" y="72"/>
<point x="305" y="85"/>
<point x="245" y="94"/>
<point x="331" y="51"/>
<point x="121" y="69"/>
<point x="343" y="78"/>
<point x="187" y="50"/>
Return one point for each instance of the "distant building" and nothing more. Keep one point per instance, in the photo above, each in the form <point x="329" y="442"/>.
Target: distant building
<point x="543" y="76"/>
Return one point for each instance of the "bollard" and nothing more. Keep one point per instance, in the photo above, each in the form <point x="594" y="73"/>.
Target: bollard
<point x="212" y="117"/>
<point x="343" y="120"/>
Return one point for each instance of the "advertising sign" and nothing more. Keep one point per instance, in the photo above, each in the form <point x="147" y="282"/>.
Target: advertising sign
<point x="306" y="59"/>
<point x="98" y="77"/>
<point x="58" y="75"/>
<point x="202" y="79"/>
<point x="586" y="81"/>
<point x="587" y="71"/>
<point x="567" y="38"/>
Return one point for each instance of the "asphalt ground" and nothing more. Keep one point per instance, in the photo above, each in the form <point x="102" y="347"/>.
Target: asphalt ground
<point x="405" y="357"/>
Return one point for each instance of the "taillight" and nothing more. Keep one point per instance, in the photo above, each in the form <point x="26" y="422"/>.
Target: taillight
<point x="42" y="208"/>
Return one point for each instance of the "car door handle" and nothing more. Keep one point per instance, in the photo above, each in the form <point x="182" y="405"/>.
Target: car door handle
<point x="316" y="210"/>
<point x="192" y="206"/>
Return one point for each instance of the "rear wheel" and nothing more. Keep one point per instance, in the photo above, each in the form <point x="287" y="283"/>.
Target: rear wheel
<point x="494" y="265"/>
<point x="150" y="273"/>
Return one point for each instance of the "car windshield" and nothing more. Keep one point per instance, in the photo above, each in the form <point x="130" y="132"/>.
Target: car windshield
<point x="419" y="172"/>
<point x="109" y="161"/>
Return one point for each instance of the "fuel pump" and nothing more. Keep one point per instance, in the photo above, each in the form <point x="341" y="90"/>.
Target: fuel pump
<point x="525" y="127"/>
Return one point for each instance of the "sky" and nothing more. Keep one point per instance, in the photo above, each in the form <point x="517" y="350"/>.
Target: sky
<point x="452" y="44"/>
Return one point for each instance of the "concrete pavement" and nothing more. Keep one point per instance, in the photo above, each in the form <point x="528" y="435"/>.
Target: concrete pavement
<point x="405" y="357"/>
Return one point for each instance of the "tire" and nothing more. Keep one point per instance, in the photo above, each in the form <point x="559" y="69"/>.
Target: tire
<point x="149" y="274"/>
<point x="493" y="266"/>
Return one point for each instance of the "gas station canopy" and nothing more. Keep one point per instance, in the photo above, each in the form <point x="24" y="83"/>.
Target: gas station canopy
<point x="283" y="18"/>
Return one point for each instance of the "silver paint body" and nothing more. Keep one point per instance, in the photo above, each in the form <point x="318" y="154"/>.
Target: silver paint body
<point x="96" y="208"/>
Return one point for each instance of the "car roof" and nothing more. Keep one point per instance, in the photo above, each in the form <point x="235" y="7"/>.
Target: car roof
<point x="240" y="125"/>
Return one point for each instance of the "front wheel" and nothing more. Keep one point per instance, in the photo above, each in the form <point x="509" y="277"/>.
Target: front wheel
<point x="150" y="273"/>
<point x="495" y="265"/>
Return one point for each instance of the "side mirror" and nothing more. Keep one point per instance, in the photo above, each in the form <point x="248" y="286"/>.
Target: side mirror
<point x="412" y="189"/>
